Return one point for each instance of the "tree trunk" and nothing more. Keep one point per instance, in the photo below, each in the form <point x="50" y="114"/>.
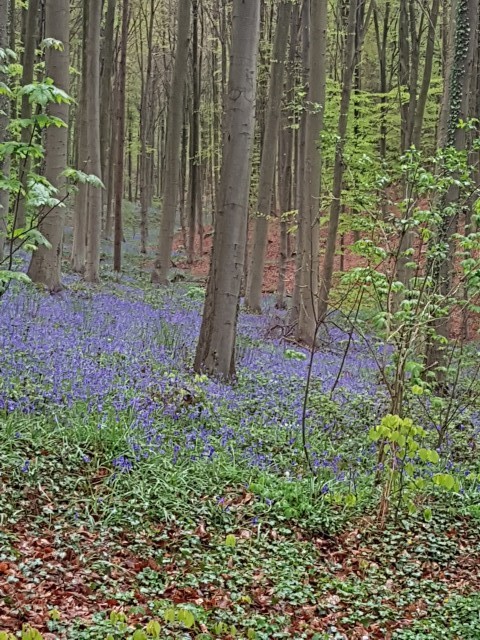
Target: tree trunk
<point x="79" y="245"/>
<point x="30" y="45"/>
<point x="174" y="134"/>
<point x="300" y="165"/>
<point x="194" y="139"/>
<point x="216" y="346"/>
<point x="106" y="90"/>
<point x="269" y="151"/>
<point x="4" y="108"/>
<point x="461" y="70"/>
<point x="146" y="117"/>
<point x="338" y="168"/>
<point x="427" y="74"/>
<point x="94" y="203"/>
<point x="310" y="217"/>
<point x="46" y="263"/>
<point x="120" y="126"/>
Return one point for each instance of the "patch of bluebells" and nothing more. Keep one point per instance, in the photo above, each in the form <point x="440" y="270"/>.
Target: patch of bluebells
<point x="117" y="358"/>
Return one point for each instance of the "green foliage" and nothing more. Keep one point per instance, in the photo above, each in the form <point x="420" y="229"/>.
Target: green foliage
<point x="400" y="458"/>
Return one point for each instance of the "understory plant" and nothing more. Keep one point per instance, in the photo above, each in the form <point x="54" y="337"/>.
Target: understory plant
<point x="21" y="163"/>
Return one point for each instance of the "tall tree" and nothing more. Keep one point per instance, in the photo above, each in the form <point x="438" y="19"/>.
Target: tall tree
<point x="79" y="244"/>
<point x="146" y="124"/>
<point x="94" y="203"/>
<point x="216" y="346"/>
<point x="120" y="147"/>
<point x="339" y="166"/>
<point x="309" y="216"/>
<point x="45" y="266"/>
<point x="106" y="91"/>
<point x="460" y="103"/>
<point x="4" y="108"/>
<point x="174" y="135"/>
<point x="267" y="166"/>
<point x="195" y="186"/>
<point x="28" y="61"/>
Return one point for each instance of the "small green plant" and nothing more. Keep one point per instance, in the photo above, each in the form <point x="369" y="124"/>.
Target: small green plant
<point x="400" y="456"/>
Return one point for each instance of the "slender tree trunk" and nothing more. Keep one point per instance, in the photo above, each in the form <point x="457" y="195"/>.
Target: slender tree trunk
<point x="30" y="45"/>
<point x="427" y="74"/>
<point x="267" y="166"/>
<point x="403" y="70"/>
<point x="94" y="206"/>
<point x="4" y="109"/>
<point x="79" y="246"/>
<point x="46" y="263"/>
<point x="106" y="90"/>
<point x="172" y="159"/>
<point x="120" y="124"/>
<point x="310" y="217"/>
<point x="146" y="125"/>
<point x="461" y="70"/>
<point x="194" y="139"/>
<point x="338" y="168"/>
<point x="300" y="166"/>
<point x="216" y="346"/>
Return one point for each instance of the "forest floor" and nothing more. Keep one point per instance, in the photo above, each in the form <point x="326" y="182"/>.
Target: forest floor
<point x="133" y="492"/>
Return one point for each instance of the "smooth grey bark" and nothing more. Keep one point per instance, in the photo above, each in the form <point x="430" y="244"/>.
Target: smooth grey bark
<point x="120" y="147"/>
<point x="300" y="166"/>
<point x="79" y="245"/>
<point x="146" y="154"/>
<point x="46" y="263"/>
<point x="338" y="167"/>
<point x="94" y="200"/>
<point x="172" y="156"/>
<point x="194" y="189"/>
<point x="427" y="74"/>
<point x="216" y="346"/>
<point x="106" y="91"/>
<point x="310" y="216"/>
<point x="4" y="109"/>
<point x="30" y="44"/>
<point x="269" y="154"/>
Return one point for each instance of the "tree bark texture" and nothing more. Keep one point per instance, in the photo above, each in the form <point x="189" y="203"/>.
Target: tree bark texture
<point x="216" y="346"/>
<point x="172" y="157"/>
<point x="46" y="263"/>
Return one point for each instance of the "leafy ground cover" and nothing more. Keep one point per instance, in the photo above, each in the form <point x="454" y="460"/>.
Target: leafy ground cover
<point x="133" y="491"/>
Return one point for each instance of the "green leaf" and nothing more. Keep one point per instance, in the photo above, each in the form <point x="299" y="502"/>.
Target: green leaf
<point x="169" y="615"/>
<point x="230" y="540"/>
<point x="427" y="514"/>
<point x="187" y="618"/>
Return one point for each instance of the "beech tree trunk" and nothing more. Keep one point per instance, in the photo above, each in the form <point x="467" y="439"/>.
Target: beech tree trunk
<point x="194" y="139"/>
<point x="427" y="75"/>
<point x="309" y="217"/>
<point x="216" y="346"/>
<point x="106" y="90"/>
<point x="4" y="109"/>
<point x="94" y="204"/>
<point x="146" y="154"/>
<point x="300" y="166"/>
<point x="30" y="45"/>
<point x="269" y="153"/>
<point x="79" y="245"/>
<point x="45" y="266"/>
<point x="172" y="157"/>
<point x="338" y="168"/>
<point x="120" y="147"/>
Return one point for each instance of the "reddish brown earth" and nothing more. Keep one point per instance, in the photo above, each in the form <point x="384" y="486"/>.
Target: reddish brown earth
<point x="201" y="264"/>
<point x="270" y="277"/>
